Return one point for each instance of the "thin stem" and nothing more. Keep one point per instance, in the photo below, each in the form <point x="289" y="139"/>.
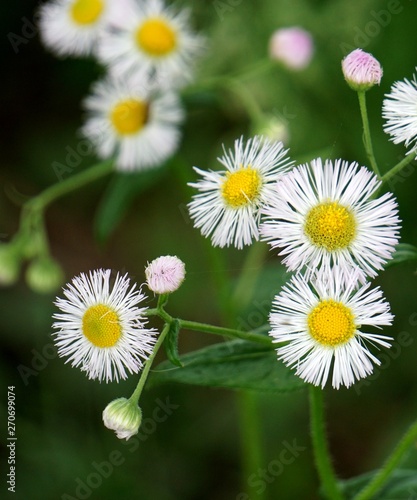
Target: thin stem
<point x="72" y="183"/>
<point x="226" y="332"/>
<point x="397" y="168"/>
<point x="238" y="88"/>
<point x="255" y="69"/>
<point x="367" y="134"/>
<point x="251" y="441"/>
<point x="247" y="99"/>
<point x="216" y="330"/>
<point x="390" y="465"/>
<point x="145" y="372"/>
<point x="321" y="451"/>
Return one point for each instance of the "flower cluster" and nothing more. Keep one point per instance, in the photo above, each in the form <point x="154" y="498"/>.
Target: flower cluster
<point x="134" y="112"/>
<point x="101" y="327"/>
<point x="330" y="228"/>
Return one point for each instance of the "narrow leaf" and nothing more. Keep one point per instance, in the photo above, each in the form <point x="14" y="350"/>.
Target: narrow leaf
<point x="403" y="253"/>
<point x="236" y="364"/>
<point x="402" y="484"/>
<point x="171" y="343"/>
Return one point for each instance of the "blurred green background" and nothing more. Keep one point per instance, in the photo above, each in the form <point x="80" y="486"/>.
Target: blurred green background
<point x="195" y="453"/>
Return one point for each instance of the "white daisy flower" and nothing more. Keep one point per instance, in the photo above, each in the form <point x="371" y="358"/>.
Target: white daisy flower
<point x="152" y="37"/>
<point x="131" y="119"/>
<point x="325" y="215"/>
<point x="324" y="323"/>
<point x="101" y="329"/>
<point x="71" y="27"/>
<point x="400" y="112"/>
<point x="228" y="205"/>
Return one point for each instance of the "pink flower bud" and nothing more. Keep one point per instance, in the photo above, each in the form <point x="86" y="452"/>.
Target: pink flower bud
<point x="361" y="70"/>
<point x="291" y="46"/>
<point x="165" y="274"/>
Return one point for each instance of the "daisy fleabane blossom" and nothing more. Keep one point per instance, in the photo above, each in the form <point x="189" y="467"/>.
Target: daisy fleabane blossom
<point x="326" y="214"/>
<point x="323" y="323"/>
<point x="71" y="27"/>
<point x="100" y="327"/>
<point x="152" y="37"/>
<point x="400" y="112"/>
<point x="165" y="274"/>
<point x="134" y="121"/>
<point x="228" y="204"/>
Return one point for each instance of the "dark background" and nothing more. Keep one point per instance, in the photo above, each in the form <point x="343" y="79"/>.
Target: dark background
<point x="195" y="453"/>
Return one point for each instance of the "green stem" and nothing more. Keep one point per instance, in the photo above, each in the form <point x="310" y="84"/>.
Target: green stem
<point x="390" y="465"/>
<point x="321" y="451"/>
<point x="145" y="372"/>
<point x="238" y="88"/>
<point x="72" y="183"/>
<point x="255" y="69"/>
<point x="226" y="332"/>
<point x="216" y="330"/>
<point x="249" y="102"/>
<point x="397" y="168"/>
<point x="251" y="441"/>
<point x="367" y="134"/>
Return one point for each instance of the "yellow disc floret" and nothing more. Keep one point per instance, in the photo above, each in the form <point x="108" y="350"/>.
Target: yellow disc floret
<point x="129" y="116"/>
<point x="330" y="226"/>
<point x="241" y="187"/>
<point x="86" y="11"/>
<point x="156" y="37"/>
<point x="331" y="323"/>
<point x="101" y="326"/>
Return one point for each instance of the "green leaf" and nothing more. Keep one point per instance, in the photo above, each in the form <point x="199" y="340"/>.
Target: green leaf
<point x="171" y="343"/>
<point x="403" y="253"/>
<point x="237" y="364"/>
<point x="120" y="194"/>
<point x="402" y="484"/>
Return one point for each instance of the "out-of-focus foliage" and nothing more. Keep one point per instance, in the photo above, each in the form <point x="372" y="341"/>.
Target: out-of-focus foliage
<point x="193" y="453"/>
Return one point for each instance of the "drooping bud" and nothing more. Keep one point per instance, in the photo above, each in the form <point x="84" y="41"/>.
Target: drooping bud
<point x="123" y="416"/>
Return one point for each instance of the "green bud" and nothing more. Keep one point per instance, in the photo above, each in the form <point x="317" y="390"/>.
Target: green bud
<point x="44" y="275"/>
<point x="10" y="260"/>
<point x="124" y="417"/>
<point x="273" y="128"/>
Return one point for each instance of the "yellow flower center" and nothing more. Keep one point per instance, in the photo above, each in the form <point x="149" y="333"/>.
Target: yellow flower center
<point x="156" y="37"/>
<point x="86" y="11"/>
<point x="241" y="187"/>
<point x="331" y="226"/>
<point x="101" y="326"/>
<point x="331" y="323"/>
<point x="129" y="116"/>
